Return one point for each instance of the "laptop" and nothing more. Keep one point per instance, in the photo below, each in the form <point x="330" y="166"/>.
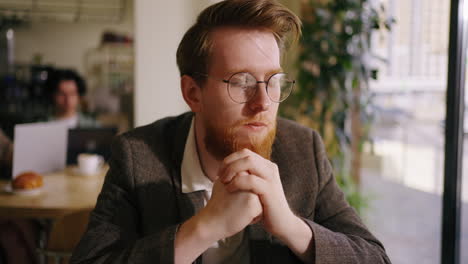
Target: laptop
<point x="40" y="147"/>
<point x="89" y="140"/>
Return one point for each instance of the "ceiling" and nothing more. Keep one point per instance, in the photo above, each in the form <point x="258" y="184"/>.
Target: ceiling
<point x="63" y="10"/>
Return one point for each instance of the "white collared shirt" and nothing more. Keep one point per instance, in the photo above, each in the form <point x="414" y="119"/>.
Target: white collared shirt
<point x="70" y="122"/>
<point x="233" y="249"/>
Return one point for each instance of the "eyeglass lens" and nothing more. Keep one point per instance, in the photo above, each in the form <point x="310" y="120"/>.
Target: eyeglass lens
<point x="242" y="87"/>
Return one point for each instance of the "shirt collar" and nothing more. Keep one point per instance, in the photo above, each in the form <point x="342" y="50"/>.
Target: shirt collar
<point x="192" y="175"/>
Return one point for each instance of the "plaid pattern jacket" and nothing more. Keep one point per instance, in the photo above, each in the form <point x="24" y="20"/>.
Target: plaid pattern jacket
<point x="141" y="203"/>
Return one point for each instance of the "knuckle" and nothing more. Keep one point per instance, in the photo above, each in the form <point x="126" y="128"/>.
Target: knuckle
<point x="227" y="171"/>
<point x="250" y="180"/>
<point x="274" y="166"/>
<point x="242" y="173"/>
<point x="236" y="181"/>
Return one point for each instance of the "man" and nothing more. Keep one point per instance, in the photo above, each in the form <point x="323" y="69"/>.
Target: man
<point x="227" y="183"/>
<point x="67" y="90"/>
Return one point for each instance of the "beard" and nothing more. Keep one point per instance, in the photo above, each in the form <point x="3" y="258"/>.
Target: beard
<point x="222" y="141"/>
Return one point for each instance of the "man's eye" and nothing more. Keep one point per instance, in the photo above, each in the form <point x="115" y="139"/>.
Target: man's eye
<point x="250" y="85"/>
<point x="238" y="82"/>
<point x="275" y="82"/>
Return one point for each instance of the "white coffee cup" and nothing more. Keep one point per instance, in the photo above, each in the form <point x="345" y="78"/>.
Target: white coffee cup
<point x="89" y="164"/>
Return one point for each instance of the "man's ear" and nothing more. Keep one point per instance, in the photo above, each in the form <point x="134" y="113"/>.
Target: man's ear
<point x="191" y="92"/>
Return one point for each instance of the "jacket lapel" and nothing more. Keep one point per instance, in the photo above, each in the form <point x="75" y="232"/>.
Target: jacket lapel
<point x="188" y="203"/>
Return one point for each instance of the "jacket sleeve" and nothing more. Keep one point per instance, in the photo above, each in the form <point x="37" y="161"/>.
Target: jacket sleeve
<point x="6" y="149"/>
<point x="338" y="232"/>
<point x="113" y="234"/>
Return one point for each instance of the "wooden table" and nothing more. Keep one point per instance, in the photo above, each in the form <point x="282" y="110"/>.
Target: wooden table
<point x="63" y="193"/>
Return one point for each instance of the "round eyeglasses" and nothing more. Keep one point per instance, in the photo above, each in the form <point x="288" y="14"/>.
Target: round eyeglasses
<point x="242" y="86"/>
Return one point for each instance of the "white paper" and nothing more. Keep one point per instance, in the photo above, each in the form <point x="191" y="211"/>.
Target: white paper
<point x="40" y="147"/>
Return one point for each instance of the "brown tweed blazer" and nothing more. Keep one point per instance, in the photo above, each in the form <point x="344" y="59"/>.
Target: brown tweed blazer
<point x="141" y="204"/>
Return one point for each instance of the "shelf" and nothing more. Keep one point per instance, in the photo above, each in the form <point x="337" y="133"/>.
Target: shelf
<point x="64" y="10"/>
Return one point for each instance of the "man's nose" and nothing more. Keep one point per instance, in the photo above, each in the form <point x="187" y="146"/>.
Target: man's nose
<point x="260" y="102"/>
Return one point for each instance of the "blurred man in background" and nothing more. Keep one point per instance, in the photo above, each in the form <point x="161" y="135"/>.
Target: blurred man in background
<point x="67" y="90"/>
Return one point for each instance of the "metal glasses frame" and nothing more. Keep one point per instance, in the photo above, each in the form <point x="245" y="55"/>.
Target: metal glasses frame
<point x="228" y="82"/>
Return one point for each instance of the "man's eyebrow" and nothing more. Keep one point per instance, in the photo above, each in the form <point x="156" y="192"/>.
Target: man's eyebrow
<point x="275" y="71"/>
<point x="268" y="74"/>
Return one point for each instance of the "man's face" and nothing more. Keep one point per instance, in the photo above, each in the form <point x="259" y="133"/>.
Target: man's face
<point x="230" y="126"/>
<point x="67" y="98"/>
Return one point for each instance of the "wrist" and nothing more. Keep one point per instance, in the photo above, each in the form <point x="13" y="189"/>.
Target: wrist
<point x="192" y="239"/>
<point x="294" y="227"/>
<point x="299" y="238"/>
<point x="206" y="227"/>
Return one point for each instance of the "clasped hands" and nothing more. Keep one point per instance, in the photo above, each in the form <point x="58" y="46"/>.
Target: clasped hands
<point x="248" y="190"/>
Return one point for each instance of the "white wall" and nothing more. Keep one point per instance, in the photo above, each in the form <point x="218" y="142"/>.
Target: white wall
<point x="64" y="44"/>
<point x="159" y="27"/>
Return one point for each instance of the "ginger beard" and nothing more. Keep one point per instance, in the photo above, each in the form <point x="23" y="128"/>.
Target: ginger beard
<point x="222" y="141"/>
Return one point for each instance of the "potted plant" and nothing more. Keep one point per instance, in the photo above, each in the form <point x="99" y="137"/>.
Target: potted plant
<point x="334" y="68"/>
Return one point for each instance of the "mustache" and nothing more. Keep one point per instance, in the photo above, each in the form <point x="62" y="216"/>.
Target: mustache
<point x="259" y="119"/>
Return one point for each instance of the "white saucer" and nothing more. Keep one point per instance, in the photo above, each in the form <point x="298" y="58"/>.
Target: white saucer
<point x="31" y="192"/>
